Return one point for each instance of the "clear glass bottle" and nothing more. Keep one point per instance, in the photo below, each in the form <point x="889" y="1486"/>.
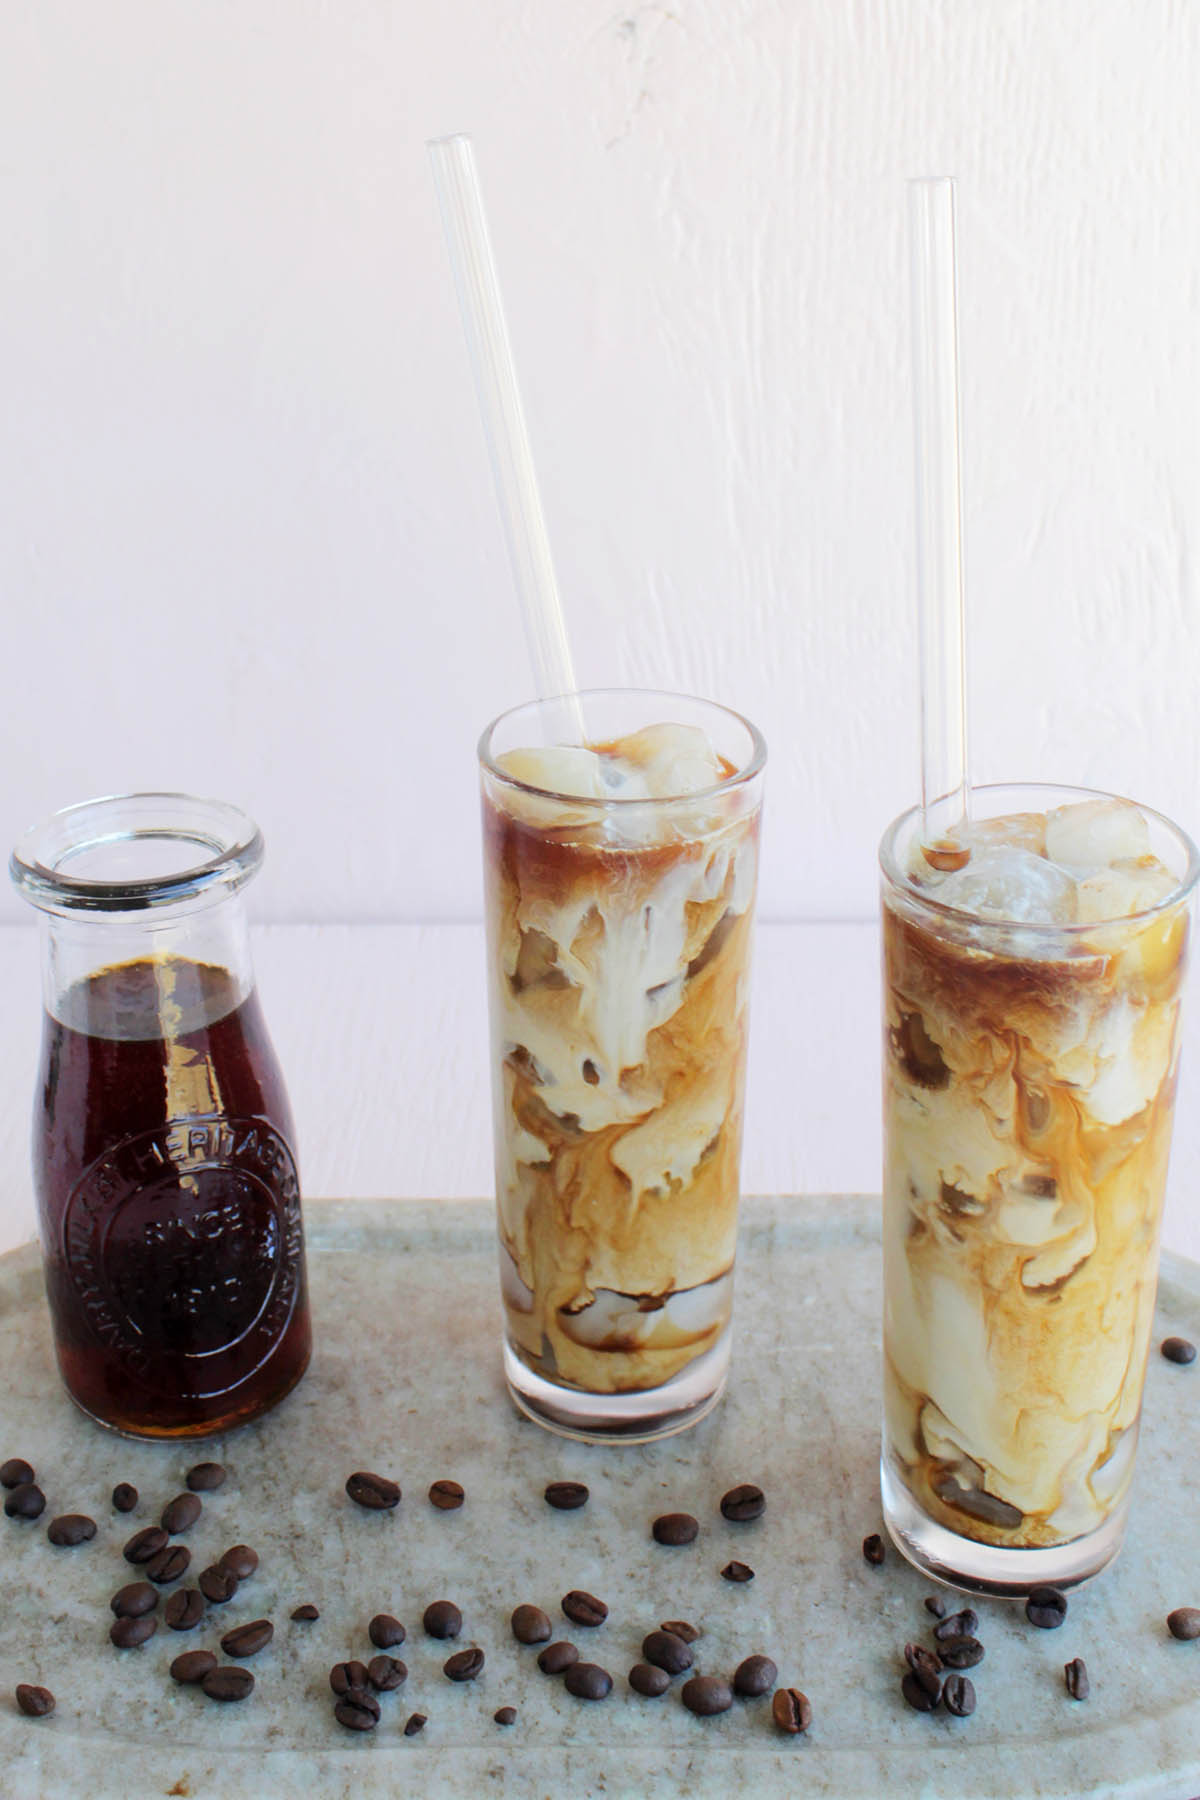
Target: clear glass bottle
<point x="168" y="1196"/>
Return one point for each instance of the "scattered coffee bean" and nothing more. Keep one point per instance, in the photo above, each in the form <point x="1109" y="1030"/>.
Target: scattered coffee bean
<point x="958" y="1696"/>
<point x="566" y="1496"/>
<point x="26" y="1501"/>
<point x="505" y="1715"/>
<point x="414" y="1723"/>
<point x="305" y="1614"/>
<point x="791" y="1710"/>
<point x="926" y="1666"/>
<point x="442" y="1619"/>
<point x="134" y="1599"/>
<point x="248" y="1639"/>
<point x="530" y="1625"/>
<point x="385" y="1632"/>
<point x="227" y="1684"/>
<point x="1175" y="1349"/>
<point x="873" y="1550"/>
<point x="144" y="1544"/>
<point x="386" y="1672"/>
<point x="741" y="1504"/>
<point x="705" y="1695"/>
<point x="240" y="1560"/>
<point x="192" y="1665"/>
<point x="557" y="1657"/>
<point x="1078" y="1685"/>
<point x="936" y="1605"/>
<point x="755" y="1676"/>
<point x="124" y="1496"/>
<point x="919" y="1697"/>
<point x="127" y="1633"/>
<point x="357" y="1711"/>
<point x="169" y="1564"/>
<point x="666" y="1651"/>
<point x="959" y="1624"/>
<point x="675" y="1528"/>
<point x="16" y="1472"/>
<point x="181" y="1513"/>
<point x="70" y="1529"/>
<point x="645" y="1679"/>
<point x="588" y="1681"/>
<point x="1046" y="1608"/>
<point x="681" y="1628"/>
<point x="447" y="1496"/>
<point x="375" y="1492"/>
<point x="1184" y="1623"/>
<point x="737" y="1571"/>
<point x="960" y="1652"/>
<point x="464" y="1665"/>
<point x="217" y="1584"/>
<point x="344" y="1677"/>
<point x="185" y="1609"/>
<point x="204" y="1477"/>
<point x="583" y="1608"/>
<point x="34" y="1702"/>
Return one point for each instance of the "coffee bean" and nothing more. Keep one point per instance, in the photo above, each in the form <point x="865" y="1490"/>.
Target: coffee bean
<point x="181" y="1513"/>
<point x="588" y="1681"/>
<point x="706" y="1695"/>
<point x="345" y="1677"/>
<point x="240" y="1560"/>
<point x="169" y="1564"/>
<point x="741" y="1504"/>
<point x="70" y="1529"/>
<point x="26" y="1501"/>
<point x="1078" y="1685"/>
<point x="1046" y="1608"/>
<point x="566" y="1496"/>
<point x="926" y="1667"/>
<point x="583" y="1608"/>
<point x="386" y="1672"/>
<point x="415" y="1723"/>
<point x="134" y="1599"/>
<point x="557" y="1657"/>
<point x="205" y="1477"/>
<point x="217" y="1584"/>
<point x="755" y="1676"/>
<point x="249" y="1639"/>
<point x="127" y="1633"/>
<point x="959" y="1624"/>
<point x="34" y="1702"/>
<point x="666" y="1651"/>
<point x="917" y="1694"/>
<point x="675" y="1528"/>
<point x="16" y="1472"/>
<point x="144" y="1544"/>
<point x="385" y="1632"/>
<point x="375" y="1492"/>
<point x="357" y="1711"/>
<point x="958" y="1696"/>
<point x="645" y="1679"/>
<point x="124" y="1496"/>
<point x="442" y="1619"/>
<point x="447" y="1496"/>
<point x="192" y="1665"/>
<point x="1175" y="1349"/>
<point x="184" y="1609"/>
<point x="873" y="1550"/>
<point x="530" y="1625"/>
<point x="737" y="1571"/>
<point x="936" y="1605"/>
<point x="960" y="1652"/>
<point x="1184" y="1623"/>
<point x="791" y="1710"/>
<point x="681" y="1628"/>
<point x="464" y="1665"/>
<point x="305" y="1614"/>
<point x="227" y="1684"/>
<point x="505" y="1715"/>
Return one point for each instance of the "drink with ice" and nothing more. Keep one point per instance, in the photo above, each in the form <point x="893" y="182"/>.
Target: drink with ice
<point x="1033" y="965"/>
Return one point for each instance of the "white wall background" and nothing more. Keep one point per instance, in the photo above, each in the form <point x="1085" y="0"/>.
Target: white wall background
<point x="247" y="537"/>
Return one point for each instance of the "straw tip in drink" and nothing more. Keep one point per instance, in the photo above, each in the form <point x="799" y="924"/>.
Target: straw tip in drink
<point x="945" y="855"/>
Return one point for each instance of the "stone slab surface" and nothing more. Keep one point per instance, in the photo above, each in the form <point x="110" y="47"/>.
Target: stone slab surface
<point x="405" y="1381"/>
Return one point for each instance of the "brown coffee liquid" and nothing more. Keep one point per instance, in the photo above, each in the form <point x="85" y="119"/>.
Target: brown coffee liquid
<point x="169" y="1201"/>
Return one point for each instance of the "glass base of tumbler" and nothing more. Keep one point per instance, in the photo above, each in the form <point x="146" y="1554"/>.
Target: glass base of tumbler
<point x="630" y="1418"/>
<point x="988" y="1568"/>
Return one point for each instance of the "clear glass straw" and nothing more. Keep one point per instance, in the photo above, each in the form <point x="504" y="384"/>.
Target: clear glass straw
<point x="504" y="421"/>
<point x="945" y="783"/>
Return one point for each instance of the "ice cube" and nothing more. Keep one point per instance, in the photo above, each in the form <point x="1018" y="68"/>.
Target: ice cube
<point x="1093" y="834"/>
<point x="558" y="769"/>
<point x="1126" y="888"/>
<point x="673" y="759"/>
<point x="1011" y="884"/>
<point x="1022" y="831"/>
